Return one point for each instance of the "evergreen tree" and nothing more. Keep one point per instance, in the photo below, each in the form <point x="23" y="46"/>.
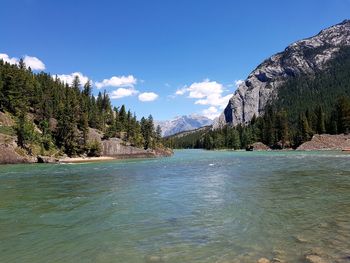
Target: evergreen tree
<point x="69" y="108"/>
<point x="321" y="127"/>
<point x="304" y="128"/>
<point x="343" y="110"/>
<point x="158" y="133"/>
<point x="25" y="130"/>
<point x="283" y="128"/>
<point x="122" y="118"/>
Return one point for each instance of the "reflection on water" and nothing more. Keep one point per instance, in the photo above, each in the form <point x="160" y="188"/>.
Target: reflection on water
<point x="197" y="206"/>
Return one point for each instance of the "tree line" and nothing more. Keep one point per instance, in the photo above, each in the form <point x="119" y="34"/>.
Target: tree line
<point x="56" y="115"/>
<point x="273" y="129"/>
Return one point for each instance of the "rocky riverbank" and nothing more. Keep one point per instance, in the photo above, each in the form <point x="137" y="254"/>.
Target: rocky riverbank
<point x="10" y="153"/>
<point x="319" y="142"/>
<point x="112" y="149"/>
<point x="326" y="142"/>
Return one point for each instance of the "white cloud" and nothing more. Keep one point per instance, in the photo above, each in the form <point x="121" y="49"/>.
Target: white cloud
<point x="181" y="91"/>
<point x="7" y="59"/>
<point x="207" y="93"/>
<point x="123" y="92"/>
<point x="148" y="96"/>
<point x="69" y="78"/>
<point x="33" y="62"/>
<point x="211" y="113"/>
<point x="122" y="81"/>
<point x="215" y="100"/>
<point x="238" y="82"/>
<point x="199" y="90"/>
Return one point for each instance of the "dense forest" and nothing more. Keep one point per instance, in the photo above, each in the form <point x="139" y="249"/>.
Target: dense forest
<point x="305" y="105"/>
<point x="54" y="116"/>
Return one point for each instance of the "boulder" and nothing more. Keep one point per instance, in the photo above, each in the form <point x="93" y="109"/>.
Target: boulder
<point x="53" y="124"/>
<point x="46" y="159"/>
<point x="258" y="146"/>
<point x="264" y="260"/>
<point x="12" y="155"/>
<point x="94" y="135"/>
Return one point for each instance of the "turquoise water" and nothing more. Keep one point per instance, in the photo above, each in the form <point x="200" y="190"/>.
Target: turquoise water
<point x="197" y="206"/>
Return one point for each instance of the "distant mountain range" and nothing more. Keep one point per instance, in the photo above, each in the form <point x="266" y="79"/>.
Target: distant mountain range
<point x="183" y="123"/>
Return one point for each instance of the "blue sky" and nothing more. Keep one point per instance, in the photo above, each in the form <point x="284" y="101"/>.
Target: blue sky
<point x="155" y="49"/>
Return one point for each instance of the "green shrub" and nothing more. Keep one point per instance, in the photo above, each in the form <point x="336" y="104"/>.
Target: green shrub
<point x="94" y="149"/>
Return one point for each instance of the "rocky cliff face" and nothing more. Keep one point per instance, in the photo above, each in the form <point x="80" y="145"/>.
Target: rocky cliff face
<point x="117" y="148"/>
<point x="305" y="56"/>
<point x="10" y="153"/>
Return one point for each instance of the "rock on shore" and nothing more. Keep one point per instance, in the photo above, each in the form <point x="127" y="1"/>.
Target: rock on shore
<point x="117" y="148"/>
<point x="10" y="153"/>
<point x="113" y="148"/>
<point x="326" y="142"/>
<point x="259" y="146"/>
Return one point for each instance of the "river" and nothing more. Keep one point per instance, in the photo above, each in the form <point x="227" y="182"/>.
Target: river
<point x="196" y="206"/>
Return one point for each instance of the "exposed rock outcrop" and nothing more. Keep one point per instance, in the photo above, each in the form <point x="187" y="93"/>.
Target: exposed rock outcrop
<point x="46" y="159"/>
<point x="326" y="142"/>
<point x="118" y="148"/>
<point x="305" y="56"/>
<point x="10" y="153"/>
<point x="94" y="135"/>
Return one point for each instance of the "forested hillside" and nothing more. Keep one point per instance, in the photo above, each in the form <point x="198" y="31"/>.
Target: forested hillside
<point x="54" y="116"/>
<point x="305" y="105"/>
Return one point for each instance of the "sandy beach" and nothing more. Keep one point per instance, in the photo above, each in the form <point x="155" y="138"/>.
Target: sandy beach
<point x="86" y="159"/>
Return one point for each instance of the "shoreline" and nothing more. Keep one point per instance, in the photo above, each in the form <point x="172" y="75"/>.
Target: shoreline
<point x="86" y="159"/>
<point x="105" y="158"/>
<point x="77" y="160"/>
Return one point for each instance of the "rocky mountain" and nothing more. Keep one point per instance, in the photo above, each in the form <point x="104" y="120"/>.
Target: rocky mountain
<point x="302" y="57"/>
<point x="183" y="123"/>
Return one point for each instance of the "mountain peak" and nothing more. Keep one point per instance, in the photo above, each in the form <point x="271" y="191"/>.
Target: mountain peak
<point x="346" y="21"/>
<point x="302" y="57"/>
<point x="183" y="123"/>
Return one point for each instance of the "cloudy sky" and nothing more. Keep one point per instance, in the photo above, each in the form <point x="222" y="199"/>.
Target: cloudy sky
<point x="165" y="57"/>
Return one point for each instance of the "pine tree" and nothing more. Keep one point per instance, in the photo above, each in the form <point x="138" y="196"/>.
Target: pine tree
<point x="66" y="136"/>
<point x="321" y="127"/>
<point x="282" y="128"/>
<point x="158" y="133"/>
<point x="122" y="118"/>
<point x="236" y="143"/>
<point x="25" y="130"/>
<point x="304" y="128"/>
<point x="343" y="110"/>
<point x="246" y="138"/>
<point x="84" y="127"/>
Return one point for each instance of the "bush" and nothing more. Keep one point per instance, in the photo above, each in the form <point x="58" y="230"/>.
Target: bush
<point x="94" y="149"/>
